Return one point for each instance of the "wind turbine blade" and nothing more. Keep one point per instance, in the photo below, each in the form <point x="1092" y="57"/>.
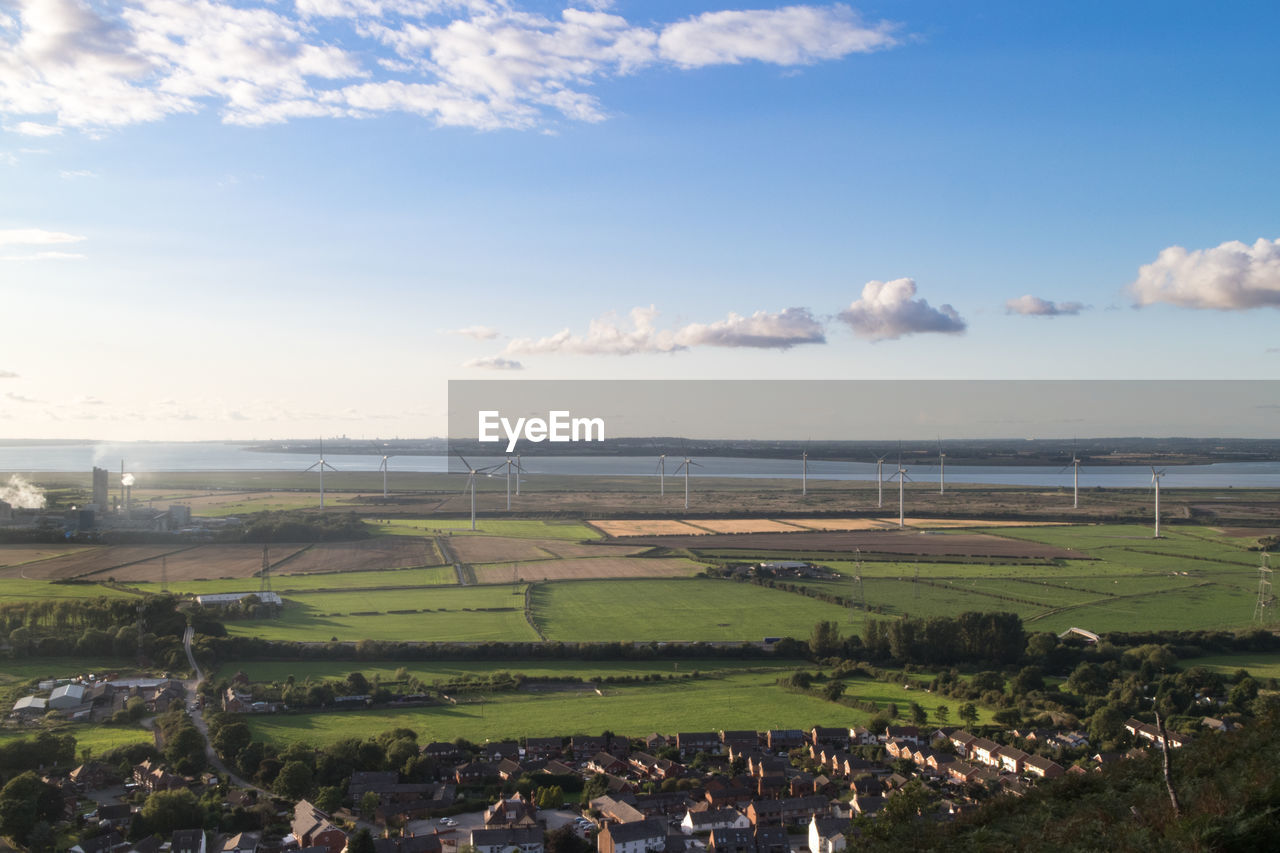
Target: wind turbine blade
<point x="312" y="468"/>
<point x="464" y="460"/>
<point x="695" y="464"/>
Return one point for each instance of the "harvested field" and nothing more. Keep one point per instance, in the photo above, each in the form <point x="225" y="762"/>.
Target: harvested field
<point x="99" y="562"/>
<point x="207" y="562"/>
<point x="841" y="523"/>
<point x="744" y="525"/>
<point x="644" y="527"/>
<point x="497" y="549"/>
<point x="390" y="552"/>
<point x="14" y="559"/>
<point x="592" y="567"/>
<point x="1249" y="532"/>
<point x="875" y="541"/>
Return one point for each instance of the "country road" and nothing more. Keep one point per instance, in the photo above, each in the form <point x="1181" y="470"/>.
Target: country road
<point x="197" y="717"/>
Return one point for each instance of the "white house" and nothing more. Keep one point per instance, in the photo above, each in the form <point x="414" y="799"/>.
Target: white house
<point x="826" y="834"/>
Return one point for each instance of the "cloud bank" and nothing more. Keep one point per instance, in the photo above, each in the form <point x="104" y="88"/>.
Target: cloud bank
<point x="472" y="63"/>
<point x="889" y="309"/>
<point x="1034" y="306"/>
<point x="1230" y="277"/>
<point x="607" y="335"/>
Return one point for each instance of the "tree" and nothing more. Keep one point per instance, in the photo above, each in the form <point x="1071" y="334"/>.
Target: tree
<point x="167" y="811"/>
<point x="362" y="841"/>
<point x="231" y="739"/>
<point x="293" y="782"/>
<point x="833" y="691"/>
<point x="943" y="714"/>
<point x="25" y="801"/>
<point x="1029" y="678"/>
<point x="969" y="713"/>
<point x="357" y="683"/>
<point x="824" y="641"/>
<point x="368" y="803"/>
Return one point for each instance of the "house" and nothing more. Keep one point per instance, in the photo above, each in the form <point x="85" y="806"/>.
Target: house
<point x="1038" y="765"/>
<point x="236" y="701"/>
<point x="525" y="839"/>
<point x="1012" y="759"/>
<point x="907" y="733"/>
<point x="153" y="777"/>
<point x="583" y="745"/>
<point x="633" y="837"/>
<point x="516" y="811"/>
<point x="188" y="841"/>
<point x="826" y="834"/>
<point x="443" y="752"/>
<point x="793" y="810"/>
<point x="408" y="844"/>
<point x="92" y="775"/>
<point x="476" y="773"/>
<point x="862" y="737"/>
<point x="826" y="736"/>
<point x="508" y="769"/>
<point x="109" y="843"/>
<point x="364" y="781"/>
<point x="732" y="840"/>
<point x="961" y="740"/>
<point x="739" y="739"/>
<point x="543" y="747"/>
<point x="693" y="742"/>
<point x="313" y="828"/>
<point x="617" y="810"/>
<point x="604" y="762"/>
<point x="243" y="842"/>
<point x="867" y="804"/>
<point x="784" y="739"/>
<point x="1151" y="734"/>
<point x="772" y="839"/>
<point x="712" y="819"/>
<point x="495" y="752"/>
<point x="115" y="815"/>
<point x="984" y="751"/>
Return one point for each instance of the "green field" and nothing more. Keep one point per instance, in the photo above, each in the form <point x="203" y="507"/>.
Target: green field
<point x="21" y="589"/>
<point x="517" y="528"/>
<point x="744" y="700"/>
<point x="432" y="671"/>
<point x="98" y="738"/>
<point x="449" y="614"/>
<point x="1259" y="664"/>
<point x="681" y="609"/>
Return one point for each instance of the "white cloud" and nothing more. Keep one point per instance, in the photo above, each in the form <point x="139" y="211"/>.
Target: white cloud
<point x="8" y="374"/>
<point x="795" y="35"/>
<point x="18" y="398"/>
<point x="33" y="128"/>
<point x="480" y="333"/>
<point x="1034" y="306"/>
<point x="1232" y="276"/>
<point x="472" y="63"/>
<point x="494" y="362"/>
<point x="71" y="174"/>
<point x="608" y="336"/>
<point x="36" y="237"/>
<point x="761" y="330"/>
<point x="888" y="310"/>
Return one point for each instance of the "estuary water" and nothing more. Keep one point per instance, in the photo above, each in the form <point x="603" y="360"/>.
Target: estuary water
<point x="140" y="457"/>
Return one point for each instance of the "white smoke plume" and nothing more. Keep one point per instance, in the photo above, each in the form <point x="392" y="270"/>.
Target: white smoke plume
<point x="21" y="494"/>
<point x="127" y="480"/>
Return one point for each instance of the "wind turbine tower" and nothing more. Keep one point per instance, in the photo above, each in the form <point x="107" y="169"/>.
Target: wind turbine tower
<point x="880" y="482"/>
<point x="662" y="475"/>
<point x="685" y="466"/>
<point x="320" y="465"/>
<point x="942" y="469"/>
<point x="902" y="478"/>
<point x="1075" y="479"/>
<point x="472" y="473"/>
<point x="1155" y="478"/>
<point x="1261" y="610"/>
<point x="804" y="472"/>
<point x="383" y="467"/>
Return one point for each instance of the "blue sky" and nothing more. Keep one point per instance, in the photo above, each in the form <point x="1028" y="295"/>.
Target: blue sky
<point x="264" y="219"/>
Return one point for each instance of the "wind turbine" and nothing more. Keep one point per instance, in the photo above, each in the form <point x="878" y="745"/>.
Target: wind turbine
<point x="320" y="465"/>
<point x="1075" y="479"/>
<point x="1155" y="478"/>
<point x="471" y="483"/>
<point x="942" y="469"/>
<point x="685" y="466"/>
<point x="383" y="468"/>
<point x="510" y="464"/>
<point x="880" y="481"/>
<point x="662" y="475"/>
<point x="804" y="471"/>
<point x="519" y="471"/>
<point x="902" y="478"/>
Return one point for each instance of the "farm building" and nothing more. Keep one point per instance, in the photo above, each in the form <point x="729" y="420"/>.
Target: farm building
<point x="226" y="599"/>
<point x="29" y="706"/>
<point x="67" y="696"/>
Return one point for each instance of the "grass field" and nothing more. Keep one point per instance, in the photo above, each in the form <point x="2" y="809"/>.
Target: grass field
<point x="433" y="671"/>
<point x="98" y="738"/>
<point x="1259" y="664"/>
<point x="446" y="614"/>
<point x="514" y="527"/>
<point x="673" y="610"/>
<point x="18" y="589"/>
<point x="739" y="700"/>
<point x="317" y="582"/>
<point x="590" y="567"/>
